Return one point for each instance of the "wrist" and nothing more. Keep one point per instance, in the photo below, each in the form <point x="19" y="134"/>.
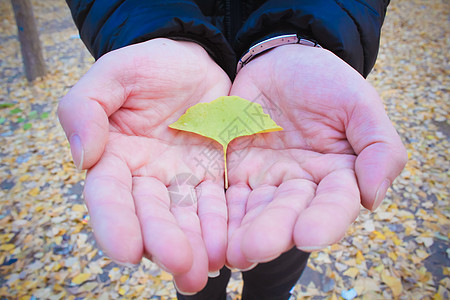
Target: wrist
<point x="272" y="43"/>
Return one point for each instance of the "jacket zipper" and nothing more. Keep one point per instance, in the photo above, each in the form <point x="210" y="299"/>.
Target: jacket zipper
<point x="232" y="18"/>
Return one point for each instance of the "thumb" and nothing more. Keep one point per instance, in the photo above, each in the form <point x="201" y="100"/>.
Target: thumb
<point x="84" y="111"/>
<point x="381" y="155"/>
<point x="86" y="126"/>
<point x="376" y="168"/>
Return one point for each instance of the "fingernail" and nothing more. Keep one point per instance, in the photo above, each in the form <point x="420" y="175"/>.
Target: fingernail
<point x="311" y="248"/>
<point x="77" y="151"/>
<point x="381" y="193"/>
<point x="249" y="268"/>
<point x="264" y="260"/>
<point x="181" y="292"/>
<point x="214" y="274"/>
<point x="162" y="266"/>
<point x="229" y="266"/>
<point x="125" y="264"/>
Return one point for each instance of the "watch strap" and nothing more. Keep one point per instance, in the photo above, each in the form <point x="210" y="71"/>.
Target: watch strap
<point x="271" y="43"/>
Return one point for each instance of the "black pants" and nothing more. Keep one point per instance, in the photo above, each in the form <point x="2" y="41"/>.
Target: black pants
<point x="272" y="280"/>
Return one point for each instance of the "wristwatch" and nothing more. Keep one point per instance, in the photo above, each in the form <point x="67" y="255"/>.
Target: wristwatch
<point x="272" y="43"/>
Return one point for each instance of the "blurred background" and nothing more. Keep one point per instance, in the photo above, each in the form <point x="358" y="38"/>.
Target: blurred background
<point x="47" y="250"/>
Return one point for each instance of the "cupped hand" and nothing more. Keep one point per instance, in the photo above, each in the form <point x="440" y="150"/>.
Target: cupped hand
<point x="304" y="186"/>
<point x="145" y="193"/>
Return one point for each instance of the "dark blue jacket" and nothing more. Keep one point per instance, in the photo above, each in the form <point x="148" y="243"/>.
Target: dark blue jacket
<point x="227" y="28"/>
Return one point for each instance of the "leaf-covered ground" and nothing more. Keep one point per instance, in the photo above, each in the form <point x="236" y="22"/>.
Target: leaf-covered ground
<point x="47" y="250"/>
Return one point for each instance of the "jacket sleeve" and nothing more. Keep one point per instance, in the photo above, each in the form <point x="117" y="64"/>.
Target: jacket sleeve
<point x="349" y="28"/>
<point x="106" y="25"/>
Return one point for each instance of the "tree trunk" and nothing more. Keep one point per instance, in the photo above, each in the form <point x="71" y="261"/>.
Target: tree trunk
<point x="30" y="45"/>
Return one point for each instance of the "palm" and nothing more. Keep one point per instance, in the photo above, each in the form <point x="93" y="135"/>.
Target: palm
<point x="299" y="186"/>
<point x="146" y="193"/>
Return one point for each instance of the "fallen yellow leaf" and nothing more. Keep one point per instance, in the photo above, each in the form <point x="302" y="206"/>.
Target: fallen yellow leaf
<point x="351" y="272"/>
<point x="123" y="278"/>
<point x="397" y="241"/>
<point x="77" y="228"/>
<point x="56" y="267"/>
<point x="78" y="207"/>
<point x="437" y="296"/>
<point x="359" y="257"/>
<point x="393" y="256"/>
<point x="377" y="235"/>
<point x="394" y="283"/>
<point x="80" y="278"/>
<point x="379" y="268"/>
<point x="6" y="237"/>
<point x="39" y="208"/>
<point x="366" y="284"/>
<point x="225" y="119"/>
<point x="139" y="289"/>
<point x="165" y="276"/>
<point x="122" y="291"/>
<point x="24" y="177"/>
<point x="34" y="192"/>
<point x="7" y="247"/>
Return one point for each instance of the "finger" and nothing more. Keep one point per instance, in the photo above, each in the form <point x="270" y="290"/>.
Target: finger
<point x="212" y="212"/>
<point x="257" y="200"/>
<point x="111" y="208"/>
<point x="196" y="278"/>
<point x="271" y="233"/>
<point x="237" y="196"/>
<point x="183" y="206"/>
<point x="381" y="154"/>
<point x="243" y="87"/>
<point x="84" y="111"/>
<point x="165" y="242"/>
<point x="334" y="207"/>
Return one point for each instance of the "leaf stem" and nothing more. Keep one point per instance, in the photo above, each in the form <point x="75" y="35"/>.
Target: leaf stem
<point x="225" y="164"/>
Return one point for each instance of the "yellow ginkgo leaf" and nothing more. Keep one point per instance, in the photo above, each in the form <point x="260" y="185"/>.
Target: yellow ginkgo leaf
<point x="80" y="278"/>
<point x="393" y="282"/>
<point x="225" y="119"/>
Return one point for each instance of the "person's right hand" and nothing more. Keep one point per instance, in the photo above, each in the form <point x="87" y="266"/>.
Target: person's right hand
<point x="116" y="119"/>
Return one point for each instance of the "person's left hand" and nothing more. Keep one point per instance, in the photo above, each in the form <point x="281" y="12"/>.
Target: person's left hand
<point x="303" y="186"/>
